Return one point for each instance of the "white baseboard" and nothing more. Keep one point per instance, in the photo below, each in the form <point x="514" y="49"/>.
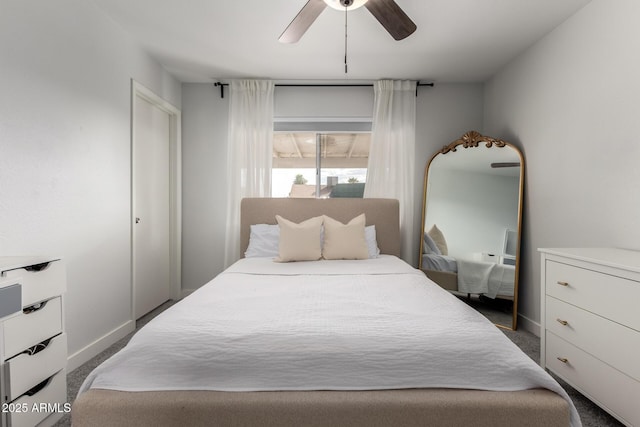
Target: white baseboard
<point x="98" y="346"/>
<point x="51" y="420"/>
<point x="528" y="325"/>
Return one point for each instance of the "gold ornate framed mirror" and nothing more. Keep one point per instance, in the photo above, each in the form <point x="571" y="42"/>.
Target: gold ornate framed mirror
<point x="471" y="223"/>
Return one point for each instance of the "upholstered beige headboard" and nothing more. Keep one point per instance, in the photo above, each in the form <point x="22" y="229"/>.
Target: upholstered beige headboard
<point x="383" y="213"/>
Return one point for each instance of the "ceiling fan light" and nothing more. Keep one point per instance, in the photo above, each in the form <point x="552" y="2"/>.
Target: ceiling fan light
<point x="336" y="4"/>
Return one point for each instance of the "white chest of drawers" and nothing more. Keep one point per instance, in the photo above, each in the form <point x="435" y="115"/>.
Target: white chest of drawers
<point x="590" y="325"/>
<point x="33" y="343"/>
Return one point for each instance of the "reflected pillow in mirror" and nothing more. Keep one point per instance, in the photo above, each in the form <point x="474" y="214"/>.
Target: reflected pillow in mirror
<point x="263" y="241"/>
<point x="430" y="246"/>
<point x="438" y="239"/>
<point x="345" y="241"/>
<point x="299" y="242"/>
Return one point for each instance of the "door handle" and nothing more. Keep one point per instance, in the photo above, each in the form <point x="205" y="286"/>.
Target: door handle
<point x="137" y="220"/>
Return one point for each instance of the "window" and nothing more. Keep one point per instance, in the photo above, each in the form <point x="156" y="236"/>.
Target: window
<point x="320" y="165"/>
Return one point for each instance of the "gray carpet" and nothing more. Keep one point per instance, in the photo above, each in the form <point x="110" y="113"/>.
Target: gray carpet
<point x="591" y="414"/>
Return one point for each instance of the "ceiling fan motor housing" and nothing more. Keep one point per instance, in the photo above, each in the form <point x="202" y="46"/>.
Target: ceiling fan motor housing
<point x="387" y="12"/>
<point x="345" y="4"/>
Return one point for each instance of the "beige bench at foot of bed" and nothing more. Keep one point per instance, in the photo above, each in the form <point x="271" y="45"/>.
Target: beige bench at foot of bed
<point x="414" y="407"/>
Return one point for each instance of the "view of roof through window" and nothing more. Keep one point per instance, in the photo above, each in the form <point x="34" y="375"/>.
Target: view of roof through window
<point x="340" y="158"/>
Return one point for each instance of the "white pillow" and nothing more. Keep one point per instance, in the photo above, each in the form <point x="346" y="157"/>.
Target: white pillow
<point x="345" y="241"/>
<point x="299" y="242"/>
<point x="263" y="241"/>
<point x="369" y="236"/>
<point x="439" y="239"/>
<point x="372" y="243"/>
<point x="430" y="246"/>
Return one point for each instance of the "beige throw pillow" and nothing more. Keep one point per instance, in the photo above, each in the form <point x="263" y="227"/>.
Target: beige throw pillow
<point x="299" y="242"/>
<point x="345" y="241"/>
<point x="438" y="238"/>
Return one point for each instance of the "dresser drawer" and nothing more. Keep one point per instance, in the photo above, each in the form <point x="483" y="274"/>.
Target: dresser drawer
<point x="48" y="400"/>
<point x="40" y="281"/>
<point x="611" y="342"/>
<point x="614" y="391"/>
<point x="26" y="370"/>
<point x="608" y="296"/>
<point x="28" y="329"/>
<point x="10" y="298"/>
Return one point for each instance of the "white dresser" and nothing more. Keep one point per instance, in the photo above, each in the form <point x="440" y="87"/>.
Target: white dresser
<point x="590" y="325"/>
<point x="33" y="344"/>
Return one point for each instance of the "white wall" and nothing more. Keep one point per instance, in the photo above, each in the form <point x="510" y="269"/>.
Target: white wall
<point x="65" y="84"/>
<point x="204" y="182"/>
<point x="444" y="113"/>
<point x="323" y="102"/>
<point x="571" y="104"/>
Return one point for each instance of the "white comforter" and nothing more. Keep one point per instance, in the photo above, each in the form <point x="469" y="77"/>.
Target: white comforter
<point x="322" y="325"/>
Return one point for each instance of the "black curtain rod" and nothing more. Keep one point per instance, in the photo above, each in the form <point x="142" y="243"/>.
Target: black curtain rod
<point x="222" y="85"/>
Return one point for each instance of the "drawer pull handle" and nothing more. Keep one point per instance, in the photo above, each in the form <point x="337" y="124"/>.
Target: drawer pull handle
<point x="562" y="322"/>
<point x="563" y="283"/>
<point x="563" y="359"/>
<point x="37" y="348"/>
<point x="37" y="267"/>
<point x="35" y="307"/>
<point x="38" y="387"/>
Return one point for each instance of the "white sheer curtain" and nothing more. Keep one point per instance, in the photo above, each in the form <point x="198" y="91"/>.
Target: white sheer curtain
<point x="249" y="152"/>
<point x="390" y="173"/>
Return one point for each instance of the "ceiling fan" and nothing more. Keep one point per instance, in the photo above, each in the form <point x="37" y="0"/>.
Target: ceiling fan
<point x="387" y="12"/>
<point x="505" y="165"/>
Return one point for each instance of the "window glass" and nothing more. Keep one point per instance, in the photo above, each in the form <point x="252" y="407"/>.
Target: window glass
<point x="319" y="165"/>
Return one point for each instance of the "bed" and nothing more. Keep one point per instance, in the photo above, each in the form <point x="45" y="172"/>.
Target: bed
<point x="348" y="365"/>
<point x="490" y="279"/>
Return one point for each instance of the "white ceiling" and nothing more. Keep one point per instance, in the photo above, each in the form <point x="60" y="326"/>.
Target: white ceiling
<point x="456" y="40"/>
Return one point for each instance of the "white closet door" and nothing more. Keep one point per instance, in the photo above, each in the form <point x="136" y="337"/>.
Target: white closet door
<point x="151" y="206"/>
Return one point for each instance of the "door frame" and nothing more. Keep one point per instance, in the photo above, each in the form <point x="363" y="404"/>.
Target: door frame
<point x="175" y="189"/>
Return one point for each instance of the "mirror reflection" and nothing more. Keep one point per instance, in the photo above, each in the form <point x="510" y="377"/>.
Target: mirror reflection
<point x="471" y="223"/>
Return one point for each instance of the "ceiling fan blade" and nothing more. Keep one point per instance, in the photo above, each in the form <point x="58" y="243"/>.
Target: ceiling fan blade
<point x="505" y="165"/>
<point x="392" y="18"/>
<point x="302" y="21"/>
